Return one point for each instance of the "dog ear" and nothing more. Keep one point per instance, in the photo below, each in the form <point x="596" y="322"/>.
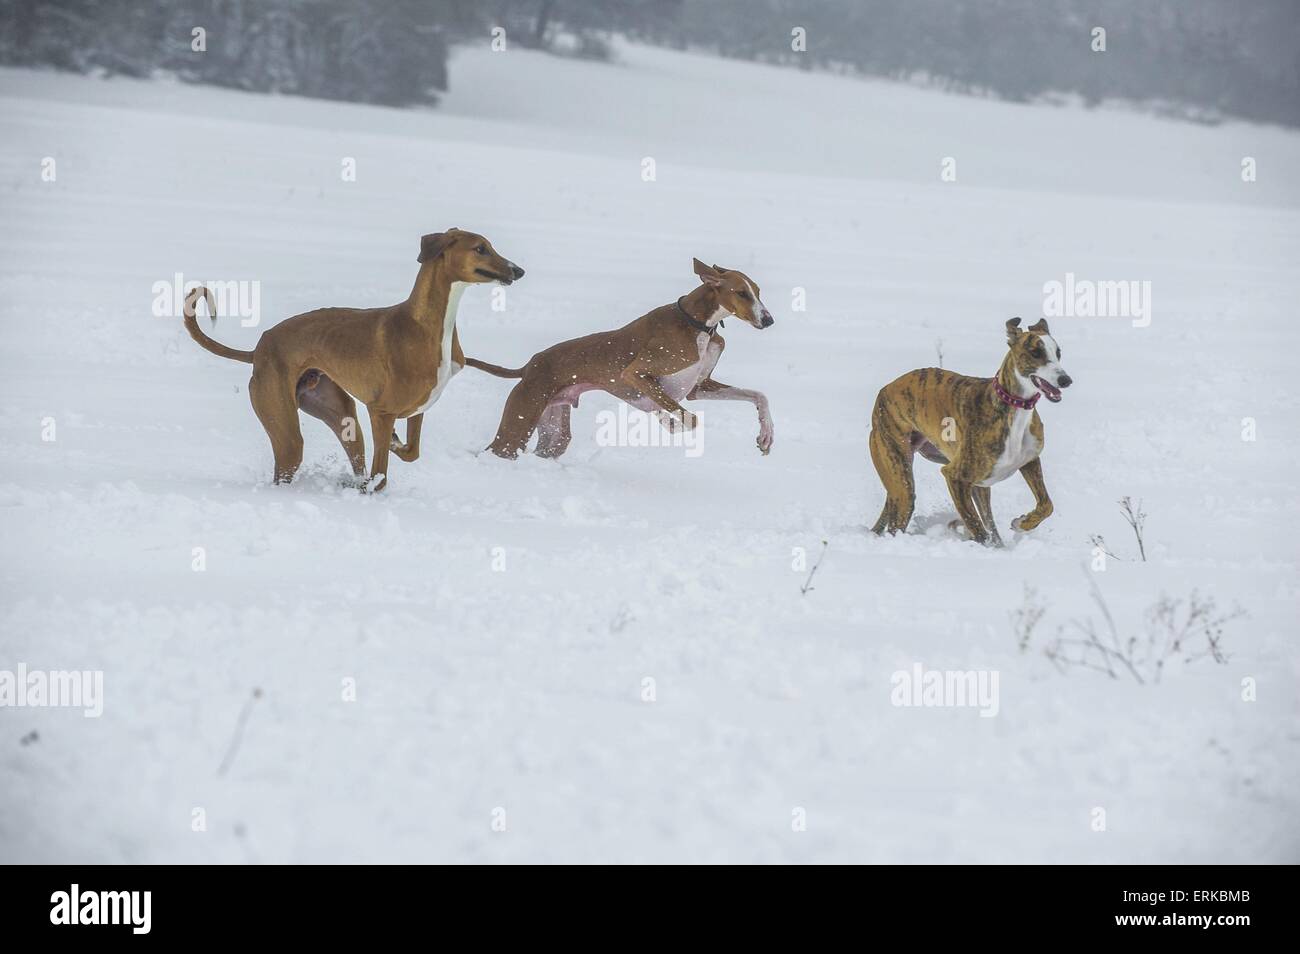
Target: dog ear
<point x="433" y="245"/>
<point x="708" y="273"/>
<point x="1013" y="329"/>
<point x="1041" y="326"/>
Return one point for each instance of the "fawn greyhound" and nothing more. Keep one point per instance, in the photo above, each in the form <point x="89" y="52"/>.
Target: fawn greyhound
<point x="655" y="362"/>
<point x="396" y="360"/>
<point x="981" y="430"/>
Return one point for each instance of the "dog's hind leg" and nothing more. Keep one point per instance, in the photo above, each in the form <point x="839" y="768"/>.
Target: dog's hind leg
<point x="983" y="498"/>
<point x="894" y="466"/>
<point x="524" y="409"/>
<point x="1033" y="474"/>
<point x="553" y="433"/>
<point x="326" y="401"/>
<point x="272" y="394"/>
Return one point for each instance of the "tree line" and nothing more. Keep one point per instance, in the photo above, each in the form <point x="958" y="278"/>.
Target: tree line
<point x="1200" y="58"/>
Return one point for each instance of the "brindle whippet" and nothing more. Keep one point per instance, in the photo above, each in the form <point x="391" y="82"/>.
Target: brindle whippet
<point x="654" y="363"/>
<point x="981" y="430"/>
<point x="396" y="360"/>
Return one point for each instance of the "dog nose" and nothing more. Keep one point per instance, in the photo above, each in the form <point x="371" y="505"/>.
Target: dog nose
<point x="767" y="320"/>
<point x="516" y="272"/>
<point x="1064" y="381"/>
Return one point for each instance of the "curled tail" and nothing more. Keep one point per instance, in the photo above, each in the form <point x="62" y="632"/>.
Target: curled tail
<point x="499" y="371"/>
<point x="210" y="344"/>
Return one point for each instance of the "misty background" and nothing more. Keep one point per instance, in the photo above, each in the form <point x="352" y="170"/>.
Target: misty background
<point x="1203" y="60"/>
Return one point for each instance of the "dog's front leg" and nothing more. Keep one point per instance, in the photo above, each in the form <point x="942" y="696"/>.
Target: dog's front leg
<point x="960" y="490"/>
<point x="380" y="423"/>
<point x="641" y="378"/>
<point x="710" y="390"/>
<point x="410" y="451"/>
<point x="983" y="498"/>
<point x="1033" y="474"/>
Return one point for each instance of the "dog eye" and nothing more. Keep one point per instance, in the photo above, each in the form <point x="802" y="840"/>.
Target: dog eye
<point x="744" y="296"/>
<point x="482" y="249"/>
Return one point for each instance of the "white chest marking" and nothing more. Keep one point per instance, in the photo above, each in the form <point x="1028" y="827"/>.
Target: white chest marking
<point x="1021" y="447"/>
<point x="681" y="383"/>
<point x="446" y="368"/>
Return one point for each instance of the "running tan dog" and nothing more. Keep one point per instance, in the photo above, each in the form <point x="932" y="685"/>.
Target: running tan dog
<point x="395" y="360"/>
<point x="982" y="430"/>
<point x="653" y="364"/>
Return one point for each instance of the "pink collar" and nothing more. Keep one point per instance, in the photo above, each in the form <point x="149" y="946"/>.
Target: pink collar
<point x="1015" y="400"/>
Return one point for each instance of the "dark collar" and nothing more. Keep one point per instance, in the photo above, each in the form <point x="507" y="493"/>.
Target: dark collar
<point x="694" y="323"/>
<point x="1015" y="400"/>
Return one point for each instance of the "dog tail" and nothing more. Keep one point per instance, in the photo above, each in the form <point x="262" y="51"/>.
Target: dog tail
<point x="192" y="326"/>
<point x="499" y="371"/>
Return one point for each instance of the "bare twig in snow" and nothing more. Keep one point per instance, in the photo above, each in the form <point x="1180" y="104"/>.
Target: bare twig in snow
<point x="807" y="584"/>
<point x="1024" y="619"/>
<point x="1187" y="629"/>
<point x="238" y="735"/>
<point x="1097" y="540"/>
<point x="1135" y="519"/>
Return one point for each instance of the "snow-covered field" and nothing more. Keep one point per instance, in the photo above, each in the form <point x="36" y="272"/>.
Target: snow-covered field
<point x="498" y="620"/>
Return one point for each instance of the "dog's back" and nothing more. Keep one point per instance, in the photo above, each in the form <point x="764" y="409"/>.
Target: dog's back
<point x="921" y="400"/>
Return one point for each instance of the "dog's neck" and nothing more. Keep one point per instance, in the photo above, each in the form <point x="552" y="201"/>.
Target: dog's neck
<point x="433" y="299"/>
<point x="1012" y="381"/>
<point x="701" y="306"/>
<point x="1012" y="390"/>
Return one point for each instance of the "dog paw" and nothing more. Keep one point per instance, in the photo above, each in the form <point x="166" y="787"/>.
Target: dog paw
<point x="674" y="421"/>
<point x="404" y="452"/>
<point x="1023" y="524"/>
<point x="959" y="527"/>
<point x="765" y="442"/>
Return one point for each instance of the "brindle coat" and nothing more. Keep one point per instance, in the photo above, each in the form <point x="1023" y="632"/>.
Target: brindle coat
<point x="960" y="422"/>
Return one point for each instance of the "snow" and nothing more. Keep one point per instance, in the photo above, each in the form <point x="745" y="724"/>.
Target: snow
<point x="498" y="619"/>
